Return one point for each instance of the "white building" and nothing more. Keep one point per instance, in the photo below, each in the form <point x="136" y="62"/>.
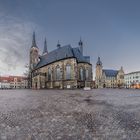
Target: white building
<point x="13" y="82"/>
<point x="132" y="79"/>
<point x="18" y="82"/>
<point x="4" y="85"/>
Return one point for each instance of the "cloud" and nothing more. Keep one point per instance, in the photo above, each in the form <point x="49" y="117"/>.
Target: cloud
<point x="15" y="42"/>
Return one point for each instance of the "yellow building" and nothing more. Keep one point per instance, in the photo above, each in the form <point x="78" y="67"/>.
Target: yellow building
<point x="108" y="78"/>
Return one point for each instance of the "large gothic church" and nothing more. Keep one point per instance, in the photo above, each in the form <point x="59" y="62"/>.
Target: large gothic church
<point x="64" y="67"/>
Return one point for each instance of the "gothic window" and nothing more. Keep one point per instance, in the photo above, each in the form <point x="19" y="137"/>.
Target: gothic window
<point x="49" y="74"/>
<point x="87" y="74"/>
<point x="58" y="73"/>
<point x="68" y="71"/>
<point x="81" y="74"/>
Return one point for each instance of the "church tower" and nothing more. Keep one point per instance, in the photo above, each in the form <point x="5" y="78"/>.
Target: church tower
<point x="34" y="53"/>
<point x="120" y="78"/>
<point x="45" y="51"/>
<point x="98" y="78"/>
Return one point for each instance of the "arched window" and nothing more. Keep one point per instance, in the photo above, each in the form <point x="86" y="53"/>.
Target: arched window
<point x="49" y="74"/>
<point x="68" y="71"/>
<point x="87" y="74"/>
<point x="58" y="73"/>
<point x="81" y="74"/>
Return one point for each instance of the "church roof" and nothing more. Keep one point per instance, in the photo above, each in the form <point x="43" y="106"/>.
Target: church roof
<point x="62" y="53"/>
<point x="110" y="73"/>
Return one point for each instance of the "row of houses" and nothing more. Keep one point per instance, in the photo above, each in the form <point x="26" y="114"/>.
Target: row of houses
<point x="13" y="82"/>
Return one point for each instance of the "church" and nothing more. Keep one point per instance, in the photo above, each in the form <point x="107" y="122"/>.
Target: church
<point x="108" y="78"/>
<point x="63" y="68"/>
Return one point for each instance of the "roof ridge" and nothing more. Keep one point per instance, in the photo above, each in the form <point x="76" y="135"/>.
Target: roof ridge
<point x="57" y="49"/>
<point x="111" y="69"/>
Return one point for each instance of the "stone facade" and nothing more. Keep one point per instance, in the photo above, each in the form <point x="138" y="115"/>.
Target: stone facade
<point x="106" y="78"/>
<point x="66" y="71"/>
<point x="42" y="80"/>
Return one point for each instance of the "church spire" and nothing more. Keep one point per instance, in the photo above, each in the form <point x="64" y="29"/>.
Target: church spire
<point x="45" y="51"/>
<point x="81" y="45"/>
<point x="99" y="61"/>
<point x="80" y="42"/>
<point x="34" y="41"/>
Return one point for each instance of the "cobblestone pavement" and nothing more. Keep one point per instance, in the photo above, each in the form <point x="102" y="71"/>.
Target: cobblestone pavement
<point x="99" y="114"/>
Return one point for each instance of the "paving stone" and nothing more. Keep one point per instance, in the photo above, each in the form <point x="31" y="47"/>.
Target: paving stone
<point x="111" y="114"/>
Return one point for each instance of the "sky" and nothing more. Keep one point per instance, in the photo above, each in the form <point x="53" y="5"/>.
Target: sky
<point x="109" y="29"/>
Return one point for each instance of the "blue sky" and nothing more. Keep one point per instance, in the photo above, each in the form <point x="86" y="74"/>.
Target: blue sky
<point x="109" y="29"/>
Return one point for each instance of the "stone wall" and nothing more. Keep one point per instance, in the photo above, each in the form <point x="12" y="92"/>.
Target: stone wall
<point x="41" y="78"/>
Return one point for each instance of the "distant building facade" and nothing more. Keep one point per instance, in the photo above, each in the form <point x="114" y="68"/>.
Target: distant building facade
<point x="64" y="67"/>
<point x="132" y="80"/>
<point x="4" y="82"/>
<point x="13" y="82"/>
<point x="18" y="82"/>
<point x="108" y="78"/>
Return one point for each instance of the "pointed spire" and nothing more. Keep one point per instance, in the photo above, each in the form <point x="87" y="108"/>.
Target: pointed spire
<point x="80" y="42"/>
<point x="81" y="45"/>
<point x="45" y="51"/>
<point x="34" y="41"/>
<point x="99" y="61"/>
<point x="58" y="44"/>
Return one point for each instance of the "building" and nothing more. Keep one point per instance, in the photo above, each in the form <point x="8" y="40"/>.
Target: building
<point x="64" y="67"/>
<point x="13" y="82"/>
<point x="108" y="78"/>
<point x="4" y="82"/>
<point x="18" y="82"/>
<point x="132" y="80"/>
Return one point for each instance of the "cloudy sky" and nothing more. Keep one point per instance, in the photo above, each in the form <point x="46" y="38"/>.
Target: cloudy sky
<point x="109" y="28"/>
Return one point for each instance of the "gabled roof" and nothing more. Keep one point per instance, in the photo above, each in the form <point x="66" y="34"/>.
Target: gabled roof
<point x="61" y="53"/>
<point x="110" y="73"/>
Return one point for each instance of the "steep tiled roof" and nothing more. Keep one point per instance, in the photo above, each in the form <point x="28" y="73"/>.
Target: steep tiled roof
<point x="61" y="53"/>
<point x="110" y="73"/>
